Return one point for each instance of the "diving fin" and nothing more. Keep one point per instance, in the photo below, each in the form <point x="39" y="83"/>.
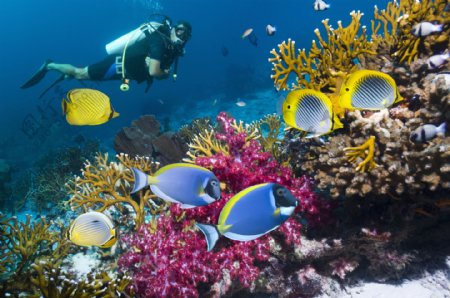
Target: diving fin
<point x="38" y="76"/>
<point x="58" y="80"/>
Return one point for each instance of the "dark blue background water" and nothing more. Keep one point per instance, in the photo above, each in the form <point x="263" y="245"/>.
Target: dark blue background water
<point x="76" y="32"/>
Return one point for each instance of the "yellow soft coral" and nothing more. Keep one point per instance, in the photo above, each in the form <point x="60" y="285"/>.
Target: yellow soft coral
<point x="353" y="153"/>
<point x="106" y="184"/>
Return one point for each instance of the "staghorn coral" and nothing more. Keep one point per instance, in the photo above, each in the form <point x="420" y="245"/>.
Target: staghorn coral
<point x="326" y="61"/>
<point x="206" y="144"/>
<point x="23" y="244"/>
<point x="269" y="129"/>
<point x="188" y="131"/>
<point x="397" y="20"/>
<point x="21" y="241"/>
<point x="105" y="184"/>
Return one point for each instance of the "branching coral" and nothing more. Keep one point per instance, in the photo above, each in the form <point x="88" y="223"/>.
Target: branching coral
<point x="24" y="244"/>
<point x="353" y="153"/>
<point x="105" y="184"/>
<point x="269" y="129"/>
<point x="397" y="21"/>
<point x="326" y="61"/>
<point x="206" y="144"/>
<point x="21" y="241"/>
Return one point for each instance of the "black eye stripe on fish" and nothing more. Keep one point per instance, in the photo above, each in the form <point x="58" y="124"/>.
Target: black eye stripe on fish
<point x="423" y="135"/>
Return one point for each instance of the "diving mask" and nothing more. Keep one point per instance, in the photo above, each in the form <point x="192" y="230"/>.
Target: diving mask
<point x="182" y="33"/>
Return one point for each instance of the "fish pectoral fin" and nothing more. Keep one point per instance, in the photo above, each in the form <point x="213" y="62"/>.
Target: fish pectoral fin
<point x="277" y="212"/>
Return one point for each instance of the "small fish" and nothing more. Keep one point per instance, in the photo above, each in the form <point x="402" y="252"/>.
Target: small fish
<point x="251" y="213"/>
<point x="247" y="33"/>
<point x="426" y="132"/>
<point x="445" y="75"/>
<point x="320" y="5"/>
<point x="160" y="101"/>
<point x="215" y="101"/>
<point x="426" y="28"/>
<point x="310" y="111"/>
<point x="240" y="103"/>
<point x="414" y="103"/>
<point x="439" y="60"/>
<point x="224" y="51"/>
<point x="87" y="107"/>
<point x="368" y="90"/>
<point x="270" y="30"/>
<point x="402" y="17"/>
<point x="253" y="39"/>
<point x="182" y="183"/>
<point x="92" y="229"/>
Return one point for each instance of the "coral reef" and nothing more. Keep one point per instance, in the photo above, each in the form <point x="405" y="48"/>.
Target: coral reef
<point x="104" y="184"/>
<point x="32" y="254"/>
<point x="353" y="153"/>
<point x="181" y="256"/>
<point x="41" y="188"/>
<point x="405" y="168"/>
<point x="269" y="128"/>
<point x="397" y="21"/>
<point x="144" y="138"/>
<point x="326" y="61"/>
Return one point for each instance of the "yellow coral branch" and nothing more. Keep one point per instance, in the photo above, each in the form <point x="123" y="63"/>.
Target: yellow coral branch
<point x="353" y="153"/>
<point x="107" y="184"/>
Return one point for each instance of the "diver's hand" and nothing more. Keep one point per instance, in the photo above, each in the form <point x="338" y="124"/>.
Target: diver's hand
<point x="148" y="62"/>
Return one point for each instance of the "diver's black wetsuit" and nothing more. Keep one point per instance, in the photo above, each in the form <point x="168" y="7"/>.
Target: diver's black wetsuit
<point x="157" y="46"/>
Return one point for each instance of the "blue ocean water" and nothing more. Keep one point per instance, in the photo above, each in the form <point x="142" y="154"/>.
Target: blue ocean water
<point x="76" y="32"/>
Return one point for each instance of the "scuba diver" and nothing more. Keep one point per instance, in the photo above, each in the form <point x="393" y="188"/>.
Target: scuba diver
<point x="141" y="55"/>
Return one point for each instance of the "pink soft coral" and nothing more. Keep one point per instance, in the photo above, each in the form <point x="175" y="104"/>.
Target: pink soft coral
<point x="173" y="261"/>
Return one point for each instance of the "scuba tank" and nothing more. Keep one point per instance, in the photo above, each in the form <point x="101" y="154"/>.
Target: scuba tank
<point x="117" y="46"/>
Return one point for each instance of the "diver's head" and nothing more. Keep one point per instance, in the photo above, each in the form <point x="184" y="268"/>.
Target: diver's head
<point x="181" y="33"/>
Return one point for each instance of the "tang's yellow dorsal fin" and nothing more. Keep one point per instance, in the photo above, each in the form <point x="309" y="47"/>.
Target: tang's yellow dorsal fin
<point x="177" y="165"/>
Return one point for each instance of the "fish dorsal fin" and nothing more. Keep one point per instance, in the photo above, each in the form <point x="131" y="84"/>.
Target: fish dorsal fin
<point x="178" y="165"/>
<point x="230" y="204"/>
